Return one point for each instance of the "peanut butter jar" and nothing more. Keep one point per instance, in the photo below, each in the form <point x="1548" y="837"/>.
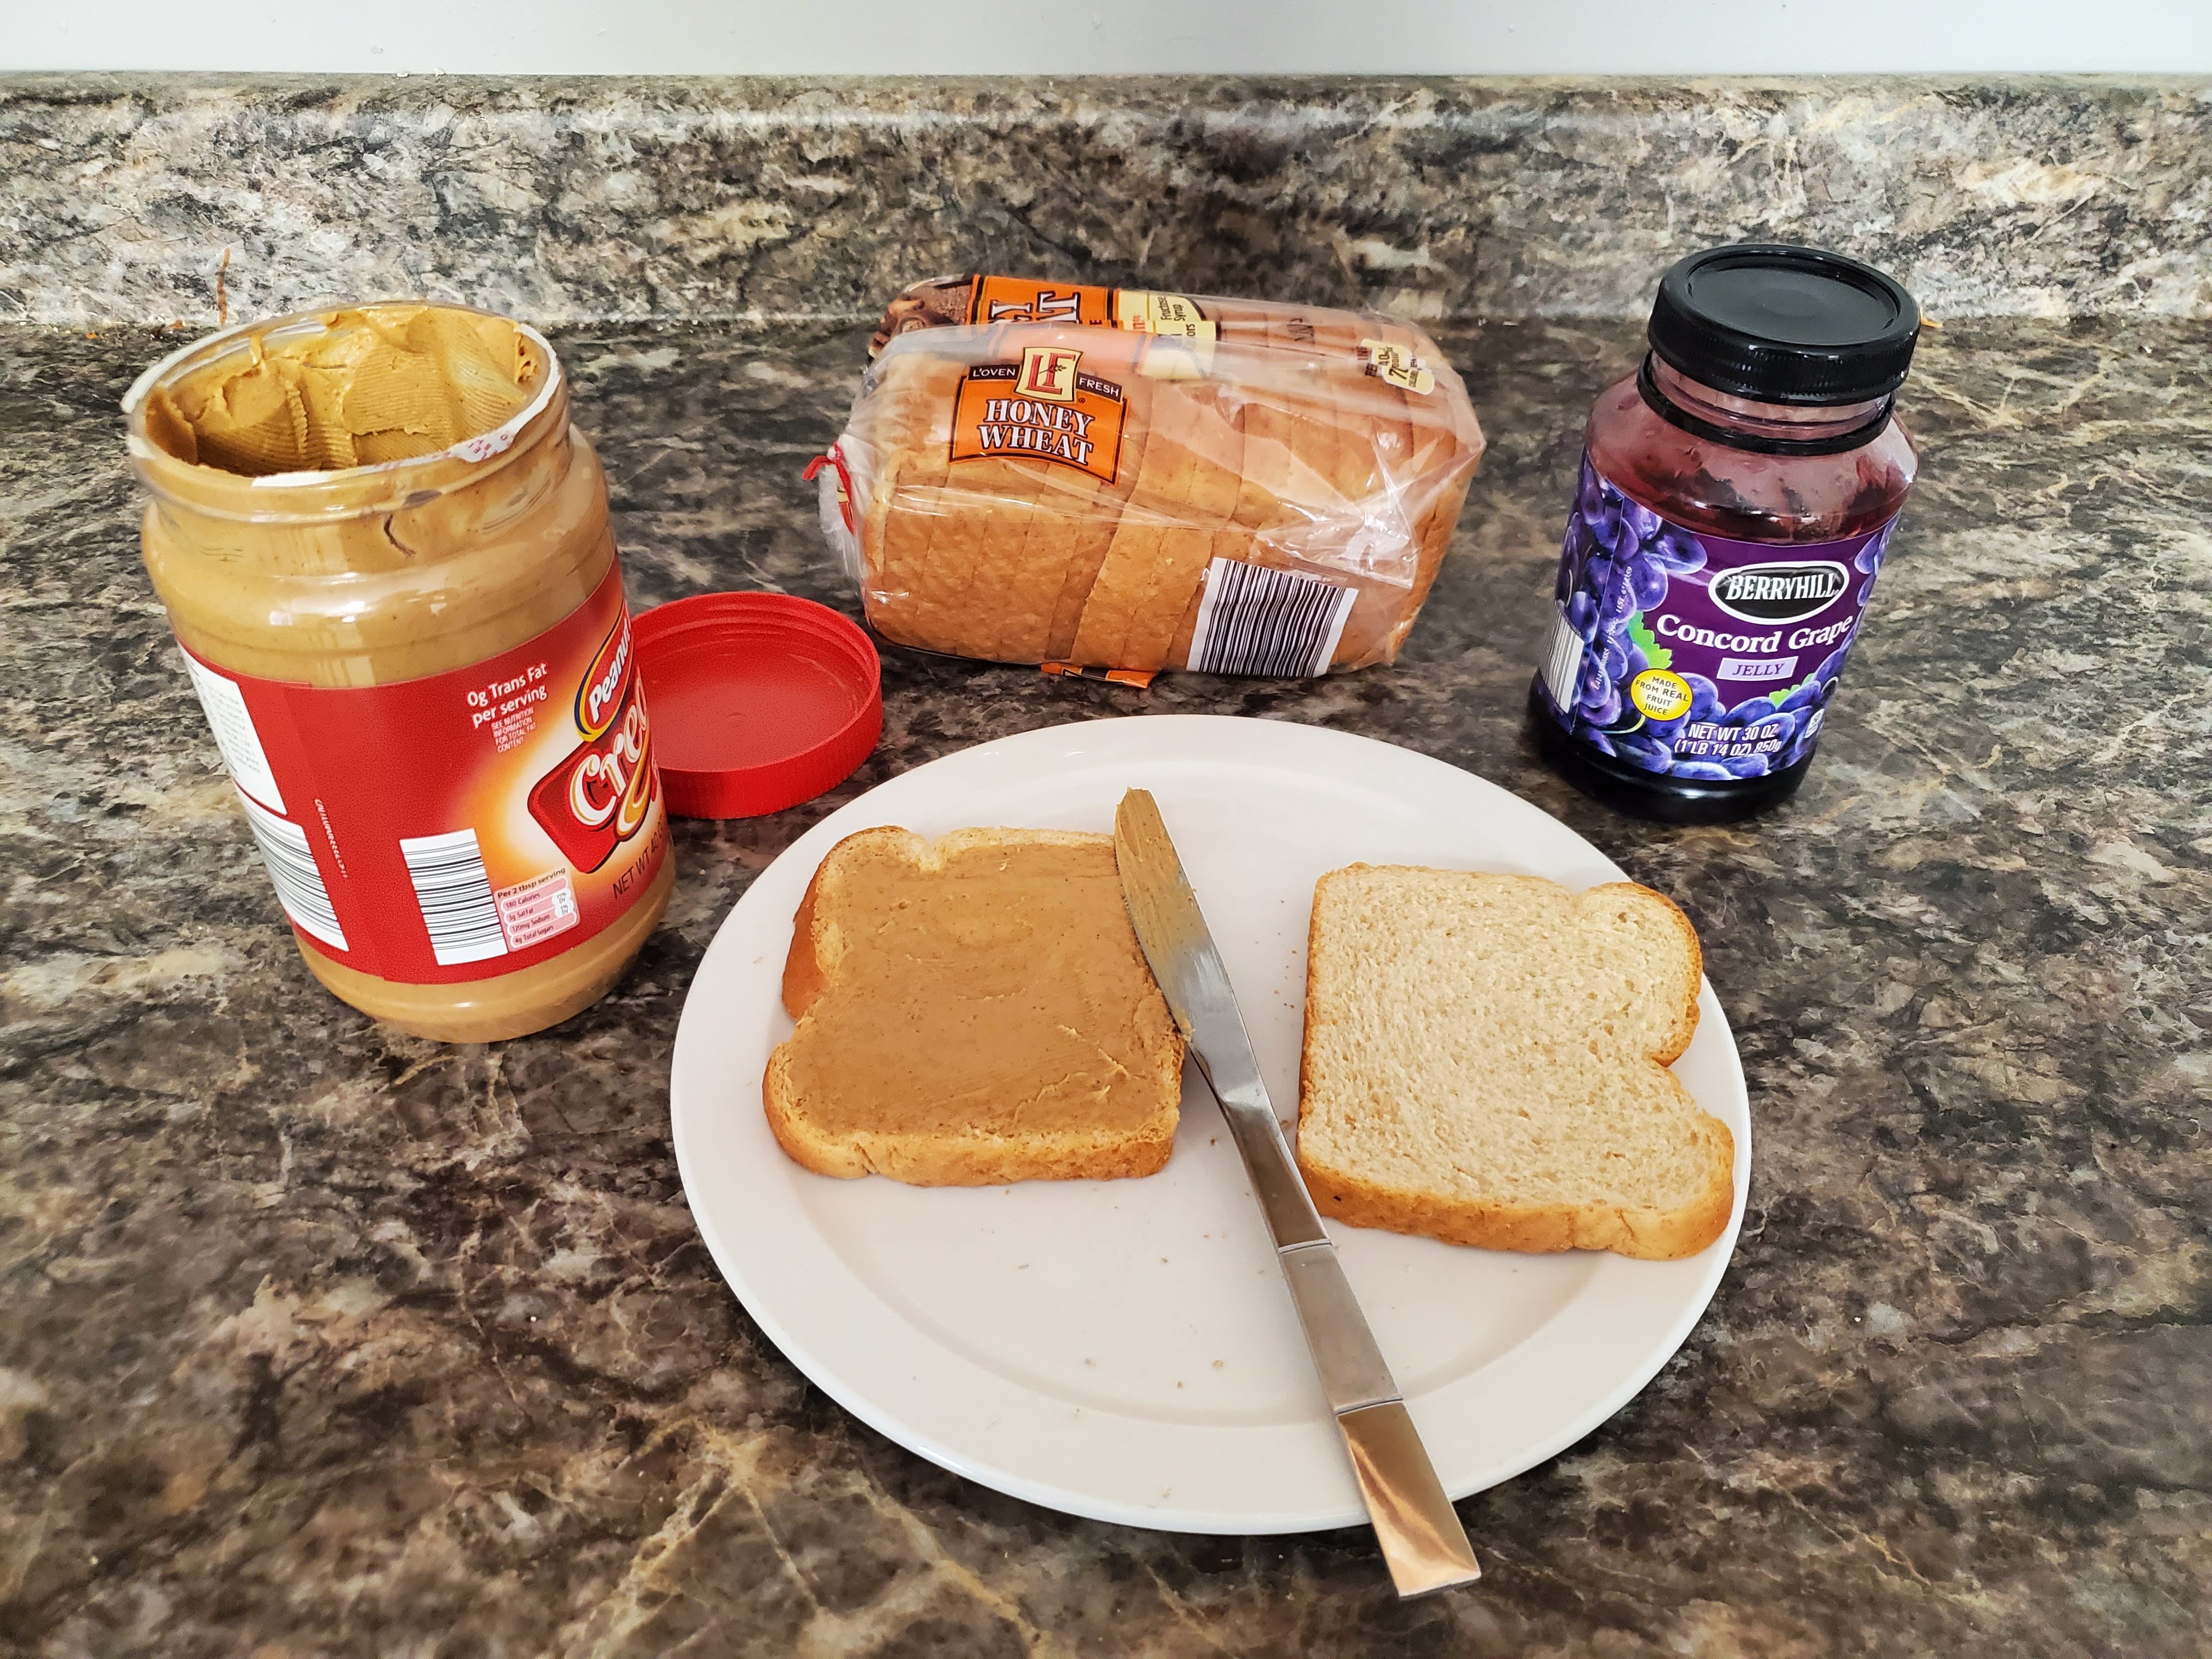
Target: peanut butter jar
<point x="385" y="554"/>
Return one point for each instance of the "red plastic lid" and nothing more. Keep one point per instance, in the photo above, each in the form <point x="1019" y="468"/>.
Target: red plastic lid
<point x="759" y="701"/>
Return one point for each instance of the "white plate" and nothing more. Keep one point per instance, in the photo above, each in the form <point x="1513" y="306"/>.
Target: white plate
<point x="1125" y="1350"/>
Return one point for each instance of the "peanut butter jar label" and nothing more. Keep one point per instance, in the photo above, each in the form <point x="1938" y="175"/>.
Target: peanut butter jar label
<point x="1041" y="407"/>
<point x="459" y="826"/>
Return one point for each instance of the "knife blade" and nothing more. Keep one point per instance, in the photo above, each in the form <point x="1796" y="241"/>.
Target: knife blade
<point x="1423" y="1541"/>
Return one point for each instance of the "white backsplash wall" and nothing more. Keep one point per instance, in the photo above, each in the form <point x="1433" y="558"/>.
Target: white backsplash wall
<point x="1103" y="37"/>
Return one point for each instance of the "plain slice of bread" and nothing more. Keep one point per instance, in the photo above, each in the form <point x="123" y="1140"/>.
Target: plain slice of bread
<point x="1486" y="1063"/>
<point x="972" y="1011"/>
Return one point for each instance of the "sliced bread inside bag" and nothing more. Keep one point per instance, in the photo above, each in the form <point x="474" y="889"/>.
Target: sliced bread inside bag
<point x="1270" y="441"/>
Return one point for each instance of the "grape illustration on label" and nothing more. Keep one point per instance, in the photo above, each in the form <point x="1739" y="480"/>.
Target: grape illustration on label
<point x="1693" y="655"/>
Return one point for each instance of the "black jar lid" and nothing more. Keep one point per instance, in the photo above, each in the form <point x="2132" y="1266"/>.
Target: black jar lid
<point x="1784" y="324"/>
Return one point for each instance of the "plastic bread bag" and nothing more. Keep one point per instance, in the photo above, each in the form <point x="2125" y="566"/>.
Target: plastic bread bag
<point x="1107" y="478"/>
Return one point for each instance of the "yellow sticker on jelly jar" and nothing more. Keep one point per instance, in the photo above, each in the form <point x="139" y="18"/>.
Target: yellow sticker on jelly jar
<point x="1660" y="695"/>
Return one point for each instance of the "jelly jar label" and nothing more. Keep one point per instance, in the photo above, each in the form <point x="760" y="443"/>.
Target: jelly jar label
<point x="1693" y="656"/>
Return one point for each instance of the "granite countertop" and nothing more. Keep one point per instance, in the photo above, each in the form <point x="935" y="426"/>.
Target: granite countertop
<point x="316" y="1338"/>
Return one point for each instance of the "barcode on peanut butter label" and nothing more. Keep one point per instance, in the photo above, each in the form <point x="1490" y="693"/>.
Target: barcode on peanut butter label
<point x="1044" y="408"/>
<point x="299" y="884"/>
<point x="453" y="890"/>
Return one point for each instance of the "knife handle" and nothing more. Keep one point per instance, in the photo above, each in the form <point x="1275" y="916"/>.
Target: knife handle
<point x="1423" y="1542"/>
<point x="1292" y="1221"/>
<point x="1352" y="1370"/>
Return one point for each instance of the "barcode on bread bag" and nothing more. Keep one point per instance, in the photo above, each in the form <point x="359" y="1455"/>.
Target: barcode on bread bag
<point x="1253" y="620"/>
<point x="1563" y="660"/>
<point x="291" y="864"/>
<point x="454" y="891"/>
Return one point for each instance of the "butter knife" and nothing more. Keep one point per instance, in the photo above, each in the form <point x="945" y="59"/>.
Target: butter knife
<point x="1422" y="1539"/>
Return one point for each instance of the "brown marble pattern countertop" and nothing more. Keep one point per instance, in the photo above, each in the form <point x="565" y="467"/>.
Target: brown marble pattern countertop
<point x="315" y="1339"/>
<point x="683" y="199"/>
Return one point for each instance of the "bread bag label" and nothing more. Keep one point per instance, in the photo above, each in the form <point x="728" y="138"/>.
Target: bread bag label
<point x="1696" y="656"/>
<point x="1135" y="310"/>
<point x="462" y="825"/>
<point x="1041" y="407"/>
<point x="1400" y="367"/>
<point x="1168" y="314"/>
<point x="1024" y="300"/>
<point x="992" y="301"/>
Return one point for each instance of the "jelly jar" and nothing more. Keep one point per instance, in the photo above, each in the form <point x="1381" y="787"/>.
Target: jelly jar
<point x="1737" y="494"/>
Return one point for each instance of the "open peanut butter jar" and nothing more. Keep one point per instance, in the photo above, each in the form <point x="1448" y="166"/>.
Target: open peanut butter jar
<point x="385" y="553"/>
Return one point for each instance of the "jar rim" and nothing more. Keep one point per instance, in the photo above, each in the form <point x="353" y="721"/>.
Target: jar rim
<point x="273" y="487"/>
<point x="1760" y="434"/>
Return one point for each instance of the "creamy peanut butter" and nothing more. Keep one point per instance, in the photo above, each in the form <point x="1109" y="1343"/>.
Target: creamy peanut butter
<point x="1003" y="991"/>
<point x="386" y="554"/>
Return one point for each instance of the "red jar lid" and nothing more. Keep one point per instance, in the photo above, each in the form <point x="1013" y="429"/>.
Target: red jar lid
<point x="759" y="700"/>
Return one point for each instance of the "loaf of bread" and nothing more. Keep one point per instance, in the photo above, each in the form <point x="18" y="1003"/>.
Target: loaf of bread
<point x="972" y="1011"/>
<point x="1041" y="473"/>
<point x="1486" y="1063"/>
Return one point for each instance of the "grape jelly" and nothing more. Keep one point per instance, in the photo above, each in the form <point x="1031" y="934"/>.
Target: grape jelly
<point x="1737" y="495"/>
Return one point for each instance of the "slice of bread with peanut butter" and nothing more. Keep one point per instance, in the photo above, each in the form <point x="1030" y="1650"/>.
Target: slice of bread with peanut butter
<point x="972" y="1011"/>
